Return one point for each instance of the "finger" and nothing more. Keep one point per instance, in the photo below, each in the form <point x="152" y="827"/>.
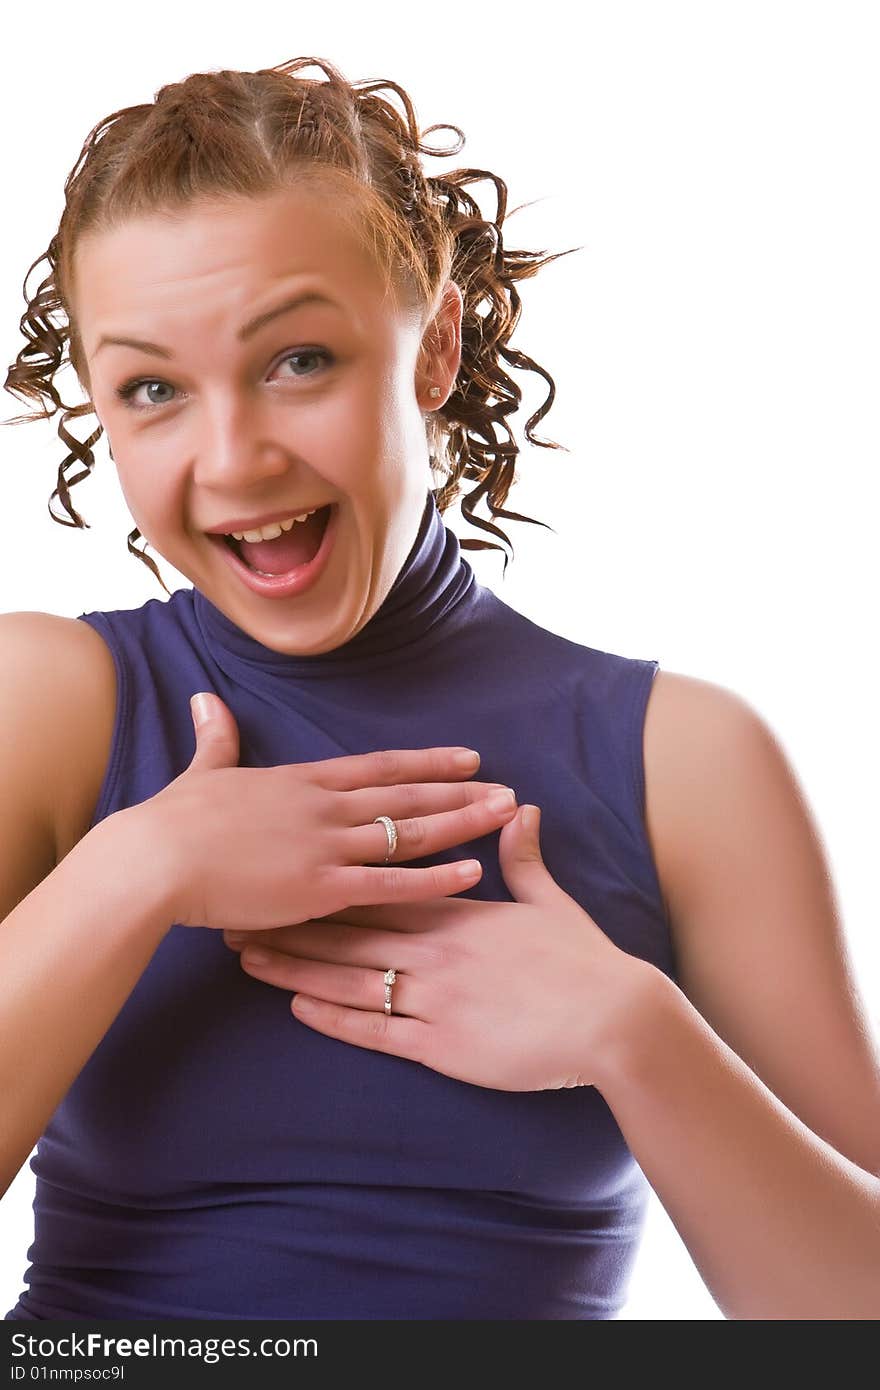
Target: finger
<point x="403" y="917"/>
<point x="402" y="1037"/>
<point x="364" y="946"/>
<point x="314" y="937"/>
<point x="419" y="836"/>
<point x="349" y="985"/>
<point x="360" y="884"/>
<point x="305" y="938"/>
<point x="410" y="799"/>
<point x="388" y="766"/>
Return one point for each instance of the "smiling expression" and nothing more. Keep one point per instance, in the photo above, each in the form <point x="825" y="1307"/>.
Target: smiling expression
<point x="218" y="409"/>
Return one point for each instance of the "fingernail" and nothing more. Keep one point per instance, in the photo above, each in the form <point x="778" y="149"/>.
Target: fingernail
<point x="469" y="869"/>
<point x="201" y="709"/>
<point x="466" y="758"/>
<point x="501" y="801"/>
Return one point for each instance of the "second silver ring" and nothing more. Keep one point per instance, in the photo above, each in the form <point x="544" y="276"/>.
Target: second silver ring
<point x="390" y="831"/>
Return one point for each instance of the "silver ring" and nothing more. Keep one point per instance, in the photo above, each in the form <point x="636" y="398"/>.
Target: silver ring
<point x="389" y="977"/>
<point x="390" y="831"/>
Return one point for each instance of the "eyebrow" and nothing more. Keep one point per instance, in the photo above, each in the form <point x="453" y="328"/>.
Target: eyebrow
<point x="247" y="331"/>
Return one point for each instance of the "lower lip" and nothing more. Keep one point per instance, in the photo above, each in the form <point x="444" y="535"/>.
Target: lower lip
<point x="296" y="581"/>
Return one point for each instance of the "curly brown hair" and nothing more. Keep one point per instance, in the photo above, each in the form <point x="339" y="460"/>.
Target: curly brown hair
<point x="229" y="134"/>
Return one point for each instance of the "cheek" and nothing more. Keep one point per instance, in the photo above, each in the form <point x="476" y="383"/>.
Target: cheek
<point x="402" y="420"/>
<point x="355" y="439"/>
<point x="153" y="497"/>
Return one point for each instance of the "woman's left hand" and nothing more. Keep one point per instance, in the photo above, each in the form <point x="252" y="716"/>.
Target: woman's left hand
<point x="518" y="996"/>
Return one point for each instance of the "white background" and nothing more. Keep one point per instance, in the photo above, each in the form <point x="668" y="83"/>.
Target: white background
<point x="714" y="344"/>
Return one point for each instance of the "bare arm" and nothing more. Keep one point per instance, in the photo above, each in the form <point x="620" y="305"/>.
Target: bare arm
<point x="79" y="917"/>
<point x="751" y="1095"/>
<point x="70" y="954"/>
<point x="779" y="1224"/>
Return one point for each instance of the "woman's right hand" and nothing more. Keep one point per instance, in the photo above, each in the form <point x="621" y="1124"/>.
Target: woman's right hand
<point x="257" y="848"/>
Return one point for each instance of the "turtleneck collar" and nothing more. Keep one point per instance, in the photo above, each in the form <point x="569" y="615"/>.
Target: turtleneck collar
<point x="434" y="585"/>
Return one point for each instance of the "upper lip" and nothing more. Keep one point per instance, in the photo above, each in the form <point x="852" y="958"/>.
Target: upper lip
<point x="251" y="523"/>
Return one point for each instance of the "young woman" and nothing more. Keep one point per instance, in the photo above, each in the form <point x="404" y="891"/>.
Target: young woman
<point x="306" y="1020"/>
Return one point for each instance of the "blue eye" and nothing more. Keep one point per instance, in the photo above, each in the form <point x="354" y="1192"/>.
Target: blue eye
<point x="127" y="392"/>
<point x="308" y="352"/>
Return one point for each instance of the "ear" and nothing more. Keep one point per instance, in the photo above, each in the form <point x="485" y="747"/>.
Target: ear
<point x="440" y="350"/>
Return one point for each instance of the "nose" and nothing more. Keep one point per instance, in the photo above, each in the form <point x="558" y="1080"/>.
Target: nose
<point x="235" y="452"/>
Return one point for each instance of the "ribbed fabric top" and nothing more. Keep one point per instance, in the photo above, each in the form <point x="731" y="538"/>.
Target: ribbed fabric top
<point x="217" y="1158"/>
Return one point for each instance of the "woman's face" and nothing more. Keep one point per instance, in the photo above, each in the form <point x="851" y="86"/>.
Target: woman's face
<point x="323" y="403"/>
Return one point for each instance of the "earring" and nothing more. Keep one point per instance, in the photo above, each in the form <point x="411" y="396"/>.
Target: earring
<point x="434" y="391"/>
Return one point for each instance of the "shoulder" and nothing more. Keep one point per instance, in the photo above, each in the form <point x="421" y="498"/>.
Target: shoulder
<point x="761" y="948"/>
<point x="707" y="754"/>
<point x="721" y="797"/>
<point x="686" y="716"/>
<point x="594" y="683"/>
<point x="69" y="676"/>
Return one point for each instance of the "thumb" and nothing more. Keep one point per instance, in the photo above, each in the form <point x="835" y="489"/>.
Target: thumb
<point x="522" y="864"/>
<point x="217" y="743"/>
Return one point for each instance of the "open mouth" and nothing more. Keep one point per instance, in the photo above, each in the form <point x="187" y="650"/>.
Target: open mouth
<point x="289" y="551"/>
<point x="289" y="565"/>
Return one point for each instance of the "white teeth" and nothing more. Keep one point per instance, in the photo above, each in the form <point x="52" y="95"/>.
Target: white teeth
<point x="269" y="533"/>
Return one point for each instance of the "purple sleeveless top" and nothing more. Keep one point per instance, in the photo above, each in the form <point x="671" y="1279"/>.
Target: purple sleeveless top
<point x="215" y="1157"/>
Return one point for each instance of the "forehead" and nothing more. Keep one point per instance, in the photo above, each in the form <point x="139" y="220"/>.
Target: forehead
<point x="217" y="260"/>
